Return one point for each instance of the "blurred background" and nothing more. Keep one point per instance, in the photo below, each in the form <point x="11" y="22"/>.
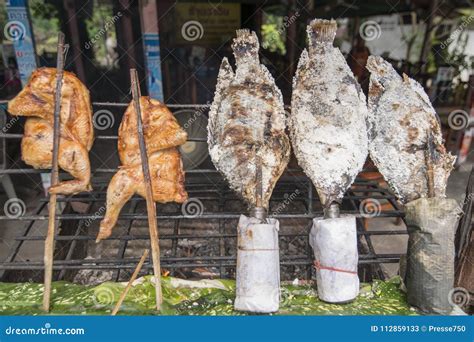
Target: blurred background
<point x="178" y="45"/>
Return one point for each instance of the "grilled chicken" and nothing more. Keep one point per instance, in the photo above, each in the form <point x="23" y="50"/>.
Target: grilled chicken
<point x="328" y="118"/>
<point x="162" y="137"/>
<point x="405" y="135"/>
<point x="247" y="140"/>
<point x="36" y="101"/>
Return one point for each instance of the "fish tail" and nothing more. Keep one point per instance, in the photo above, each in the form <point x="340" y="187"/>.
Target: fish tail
<point x="246" y="43"/>
<point x="321" y="31"/>
<point x="242" y="33"/>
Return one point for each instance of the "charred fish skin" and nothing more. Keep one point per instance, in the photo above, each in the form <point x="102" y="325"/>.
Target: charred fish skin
<point x="403" y="127"/>
<point x="247" y="124"/>
<point x="328" y="122"/>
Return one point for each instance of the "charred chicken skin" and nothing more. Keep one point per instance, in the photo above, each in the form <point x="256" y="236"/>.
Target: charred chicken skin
<point x="162" y="137"/>
<point x="36" y="101"/>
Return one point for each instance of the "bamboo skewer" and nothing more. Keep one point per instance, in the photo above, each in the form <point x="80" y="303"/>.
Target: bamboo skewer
<point x="130" y="282"/>
<point x="150" y="204"/>
<point x="49" y="241"/>
<point x="429" y="165"/>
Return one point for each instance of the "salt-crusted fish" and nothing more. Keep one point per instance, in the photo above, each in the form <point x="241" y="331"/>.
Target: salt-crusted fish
<point x="405" y="137"/>
<point x="247" y="139"/>
<point x="328" y="117"/>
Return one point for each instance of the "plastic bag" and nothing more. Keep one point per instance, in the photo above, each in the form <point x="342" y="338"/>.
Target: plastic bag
<point x="430" y="255"/>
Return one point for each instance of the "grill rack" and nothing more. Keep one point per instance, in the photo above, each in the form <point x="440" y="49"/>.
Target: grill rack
<point x="199" y="184"/>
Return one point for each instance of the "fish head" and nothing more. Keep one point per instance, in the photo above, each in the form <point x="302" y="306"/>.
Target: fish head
<point x="246" y="47"/>
<point x="381" y="71"/>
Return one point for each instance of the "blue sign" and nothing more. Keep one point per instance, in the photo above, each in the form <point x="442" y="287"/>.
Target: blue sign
<point x="151" y="45"/>
<point x="237" y="329"/>
<point x="18" y="31"/>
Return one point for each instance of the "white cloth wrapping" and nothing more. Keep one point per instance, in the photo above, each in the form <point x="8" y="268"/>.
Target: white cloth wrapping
<point x="258" y="266"/>
<point x="334" y="243"/>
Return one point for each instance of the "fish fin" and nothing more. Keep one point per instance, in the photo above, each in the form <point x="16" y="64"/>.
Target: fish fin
<point x="224" y="79"/>
<point x="321" y="31"/>
<point x="420" y="91"/>
<point x="302" y="63"/>
<point x="271" y="81"/>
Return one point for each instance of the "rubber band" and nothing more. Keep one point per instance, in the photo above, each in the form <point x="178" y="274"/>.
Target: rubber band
<point x="318" y="266"/>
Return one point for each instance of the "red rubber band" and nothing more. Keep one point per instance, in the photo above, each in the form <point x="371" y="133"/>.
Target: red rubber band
<point x="318" y="266"/>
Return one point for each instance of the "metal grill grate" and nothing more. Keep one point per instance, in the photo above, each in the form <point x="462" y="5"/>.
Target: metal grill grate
<point x="206" y="242"/>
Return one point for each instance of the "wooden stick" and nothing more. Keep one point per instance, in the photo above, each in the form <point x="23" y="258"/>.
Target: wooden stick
<point x="150" y="204"/>
<point x="130" y="282"/>
<point x="49" y="241"/>
<point x="429" y="165"/>
<point x="259" y="185"/>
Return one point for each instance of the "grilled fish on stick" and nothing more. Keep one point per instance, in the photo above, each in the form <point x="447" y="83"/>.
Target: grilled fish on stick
<point x="36" y="101"/>
<point x="162" y="135"/>
<point x="328" y="117"/>
<point x="405" y="135"/>
<point x="247" y="140"/>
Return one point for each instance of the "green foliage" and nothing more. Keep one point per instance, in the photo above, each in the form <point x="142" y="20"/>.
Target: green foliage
<point x="273" y="33"/>
<point x="45" y="22"/>
<point x="100" y="27"/>
<point x="452" y="49"/>
<point x="182" y="297"/>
